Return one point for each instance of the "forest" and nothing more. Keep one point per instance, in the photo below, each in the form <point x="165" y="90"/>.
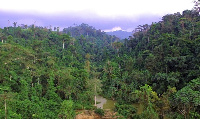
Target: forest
<point x="46" y="73"/>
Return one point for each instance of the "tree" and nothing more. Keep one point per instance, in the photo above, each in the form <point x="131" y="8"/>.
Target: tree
<point x="2" y="36"/>
<point x="188" y="98"/>
<point x="65" y="38"/>
<point x="7" y="94"/>
<point x="117" y="45"/>
<point x="5" y="98"/>
<point x="67" y="110"/>
<point x="15" y="24"/>
<point x="95" y="83"/>
<point x="162" y="103"/>
<point x="87" y="62"/>
<point x="196" y="5"/>
<point x="110" y="79"/>
<point x="146" y="96"/>
<point x="58" y="29"/>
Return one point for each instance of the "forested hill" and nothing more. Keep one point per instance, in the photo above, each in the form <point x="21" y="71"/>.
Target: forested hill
<point x="95" y="42"/>
<point x="50" y="74"/>
<point x="90" y="32"/>
<point x="120" y="34"/>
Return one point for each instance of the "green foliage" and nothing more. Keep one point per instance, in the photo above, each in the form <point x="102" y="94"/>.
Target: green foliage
<point x="127" y="110"/>
<point x="46" y="70"/>
<point x="39" y="75"/>
<point x="194" y="115"/>
<point x="67" y="110"/>
<point x="149" y="113"/>
<point x="99" y="111"/>
<point x="78" y="106"/>
<point x="188" y="98"/>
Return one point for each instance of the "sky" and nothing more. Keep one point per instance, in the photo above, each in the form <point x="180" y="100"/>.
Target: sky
<point x="107" y="15"/>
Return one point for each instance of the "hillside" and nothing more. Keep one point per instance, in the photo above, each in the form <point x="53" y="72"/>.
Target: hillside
<point x="50" y="74"/>
<point x="120" y="34"/>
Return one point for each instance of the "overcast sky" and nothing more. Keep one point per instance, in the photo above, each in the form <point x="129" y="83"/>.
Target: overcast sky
<point x="102" y="14"/>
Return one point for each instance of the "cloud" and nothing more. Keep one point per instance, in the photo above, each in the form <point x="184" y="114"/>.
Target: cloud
<point x="64" y="20"/>
<point x="103" y="8"/>
<point x="119" y="29"/>
<point x="113" y="29"/>
<point x="102" y="14"/>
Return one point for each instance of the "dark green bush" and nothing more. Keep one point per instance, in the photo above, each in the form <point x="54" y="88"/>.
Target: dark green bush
<point x="99" y="111"/>
<point x="126" y="110"/>
<point x="78" y="106"/>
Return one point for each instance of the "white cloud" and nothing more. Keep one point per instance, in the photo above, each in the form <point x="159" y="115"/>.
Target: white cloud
<point x="105" y="8"/>
<point x="111" y="15"/>
<point x="113" y="29"/>
<point x="118" y="28"/>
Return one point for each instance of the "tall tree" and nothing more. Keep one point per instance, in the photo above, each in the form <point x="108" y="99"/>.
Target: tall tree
<point x="117" y="46"/>
<point x="15" y="24"/>
<point x="67" y="110"/>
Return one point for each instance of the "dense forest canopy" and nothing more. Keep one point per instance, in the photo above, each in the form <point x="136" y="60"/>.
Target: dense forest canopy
<point x="47" y="73"/>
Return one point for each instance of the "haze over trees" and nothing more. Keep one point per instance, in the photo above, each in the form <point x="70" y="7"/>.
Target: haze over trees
<point x="49" y="73"/>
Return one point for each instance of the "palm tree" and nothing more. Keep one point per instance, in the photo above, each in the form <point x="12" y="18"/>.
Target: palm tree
<point x="5" y="96"/>
<point x="15" y="24"/>
<point x="26" y="26"/>
<point x="64" y="38"/>
<point x="58" y="29"/>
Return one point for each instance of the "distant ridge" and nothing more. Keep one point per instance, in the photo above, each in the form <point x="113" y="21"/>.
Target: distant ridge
<point x="120" y="34"/>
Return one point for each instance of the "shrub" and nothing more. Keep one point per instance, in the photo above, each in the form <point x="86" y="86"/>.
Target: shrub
<point x="78" y="106"/>
<point x="99" y="111"/>
<point x="126" y="110"/>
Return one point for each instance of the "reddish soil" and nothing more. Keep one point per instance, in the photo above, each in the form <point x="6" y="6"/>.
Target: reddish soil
<point x="90" y="114"/>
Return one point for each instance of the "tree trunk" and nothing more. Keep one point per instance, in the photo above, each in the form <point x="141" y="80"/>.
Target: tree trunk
<point x="63" y="45"/>
<point x="185" y="113"/>
<point x="183" y="26"/>
<point x="95" y="97"/>
<point x="34" y="59"/>
<point x="95" y="100"/>
<point x="118" y="52"/>
<point x="5" y="107"/>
